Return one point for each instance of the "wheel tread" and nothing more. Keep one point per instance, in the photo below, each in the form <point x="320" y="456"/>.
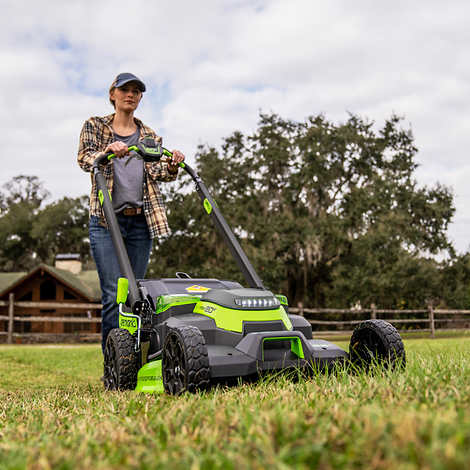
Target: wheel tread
<point x="127" y="360"/>
<point x="197" y="360"/>
<point x="390" y="338"/>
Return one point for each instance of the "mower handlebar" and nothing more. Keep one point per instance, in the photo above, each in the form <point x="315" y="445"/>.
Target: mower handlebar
<point x="105" y="158"/>
<point x="102" y="159"/>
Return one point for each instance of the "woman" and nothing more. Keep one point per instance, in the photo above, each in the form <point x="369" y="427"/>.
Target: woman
<point x="132" y="182"/>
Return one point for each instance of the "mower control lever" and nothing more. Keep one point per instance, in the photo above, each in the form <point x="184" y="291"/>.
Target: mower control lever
<point x="149" y="149"/>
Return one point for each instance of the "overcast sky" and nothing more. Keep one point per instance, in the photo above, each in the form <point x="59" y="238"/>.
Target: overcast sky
<point x="211" y="66"/>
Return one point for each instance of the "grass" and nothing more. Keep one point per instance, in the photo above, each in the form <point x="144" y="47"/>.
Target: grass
<point x="54" y="414"/>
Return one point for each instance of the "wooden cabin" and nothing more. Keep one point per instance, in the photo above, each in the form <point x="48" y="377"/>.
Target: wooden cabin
<point x="63" y="283"/>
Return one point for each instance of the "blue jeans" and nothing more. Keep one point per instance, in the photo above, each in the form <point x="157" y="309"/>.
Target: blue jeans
<point x="138" y="243"/>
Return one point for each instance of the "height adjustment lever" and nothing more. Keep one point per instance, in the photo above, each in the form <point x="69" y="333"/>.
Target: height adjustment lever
<point x="144" y="310"/>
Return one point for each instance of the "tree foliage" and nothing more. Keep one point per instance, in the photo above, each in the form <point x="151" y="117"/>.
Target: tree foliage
<point x="62" y="227"/>
<point x="329" y="213"/>
<point x="454" y="290"/>
<point x="32" y="232"/>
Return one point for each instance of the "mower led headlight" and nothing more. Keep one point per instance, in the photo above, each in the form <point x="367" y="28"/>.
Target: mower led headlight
<point x="257" y="302"/>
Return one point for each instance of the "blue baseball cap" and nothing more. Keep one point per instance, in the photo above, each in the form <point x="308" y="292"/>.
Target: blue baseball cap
<point x="124" y="78"/>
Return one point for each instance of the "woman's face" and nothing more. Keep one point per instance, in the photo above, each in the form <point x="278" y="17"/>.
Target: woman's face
<point x="127" y="97"/>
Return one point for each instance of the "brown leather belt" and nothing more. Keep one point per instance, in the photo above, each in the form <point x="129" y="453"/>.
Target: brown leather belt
<point x="132" y="211"/>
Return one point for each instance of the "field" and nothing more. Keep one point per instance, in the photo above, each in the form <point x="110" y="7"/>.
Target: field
<point x="54" y="414"/>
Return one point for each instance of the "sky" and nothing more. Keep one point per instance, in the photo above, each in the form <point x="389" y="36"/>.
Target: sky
<point x="212" y="66"/>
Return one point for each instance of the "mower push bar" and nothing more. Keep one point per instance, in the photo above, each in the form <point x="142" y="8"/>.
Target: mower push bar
<point x="113" y="225"/>
<point x="247" y="269"/>
<point x="211" y="208"/>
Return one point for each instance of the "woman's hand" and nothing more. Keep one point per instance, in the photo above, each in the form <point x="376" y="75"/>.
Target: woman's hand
<point x="118" y="148"/>
<point x="177" y="158"/>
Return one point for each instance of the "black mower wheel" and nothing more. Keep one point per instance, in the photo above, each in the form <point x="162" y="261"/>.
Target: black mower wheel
<point x="376" y="342"/>
<point x="121" y="361"/>
<point x="185" y="364"/>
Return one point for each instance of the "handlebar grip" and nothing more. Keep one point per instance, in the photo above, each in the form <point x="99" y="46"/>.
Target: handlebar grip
<point x="169" y="154"/>
<point x="166" y="152"/>
<point x="103" y="159"/>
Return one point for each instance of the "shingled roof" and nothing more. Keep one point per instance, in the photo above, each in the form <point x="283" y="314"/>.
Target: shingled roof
<point x="85" y="283"/>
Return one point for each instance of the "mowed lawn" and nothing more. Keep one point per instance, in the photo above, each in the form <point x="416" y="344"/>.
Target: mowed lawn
<point x="54" y="414"/>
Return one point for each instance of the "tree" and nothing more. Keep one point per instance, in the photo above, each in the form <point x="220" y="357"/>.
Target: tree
<point x="25" y="189"/>
<point x="31" y="232"/>
<point x="309" y="201"/>
<point x="20" y="206"/>
<point x="62" y="227"/>
<point x="454" y="290"/>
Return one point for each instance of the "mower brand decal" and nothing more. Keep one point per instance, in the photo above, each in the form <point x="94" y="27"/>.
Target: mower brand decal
<point x="197" y="288"/>
<point x="148" y="378"/>
<point x="209" y="309"/>
<point x="129" y="324"/>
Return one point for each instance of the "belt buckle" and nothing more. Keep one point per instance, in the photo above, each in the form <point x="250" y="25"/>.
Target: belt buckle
<point x="129" y="211"/>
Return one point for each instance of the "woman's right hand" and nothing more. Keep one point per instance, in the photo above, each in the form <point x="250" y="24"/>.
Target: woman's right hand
<point x="118" y="148"/>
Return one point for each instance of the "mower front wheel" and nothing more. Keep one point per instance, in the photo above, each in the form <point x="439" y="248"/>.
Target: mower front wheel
<point x="121" y="361"/>
<point x="185" y="364"/>
<point x="376" y="342"/>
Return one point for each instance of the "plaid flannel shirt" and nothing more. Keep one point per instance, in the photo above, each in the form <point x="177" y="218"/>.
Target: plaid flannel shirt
<point x="96" y="134"/>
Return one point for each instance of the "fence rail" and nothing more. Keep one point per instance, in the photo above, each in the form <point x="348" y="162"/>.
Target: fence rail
<point x="11" y="318"/>
<point x="430" y="320"/>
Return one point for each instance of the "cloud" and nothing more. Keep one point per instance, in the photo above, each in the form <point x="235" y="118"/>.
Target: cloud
<point x="211" y="66"/>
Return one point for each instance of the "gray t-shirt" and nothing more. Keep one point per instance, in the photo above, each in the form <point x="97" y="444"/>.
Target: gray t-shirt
<point x="128" y="176"/>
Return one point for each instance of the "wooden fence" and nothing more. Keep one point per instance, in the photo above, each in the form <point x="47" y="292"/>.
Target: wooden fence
<point x="11" y="318"/>
<point x="431" y="318"/>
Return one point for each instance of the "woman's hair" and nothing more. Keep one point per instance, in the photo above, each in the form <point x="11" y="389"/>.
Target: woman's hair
<point x="111" y="88"/>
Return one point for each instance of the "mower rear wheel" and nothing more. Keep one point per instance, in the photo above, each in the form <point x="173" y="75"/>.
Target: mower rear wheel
<point x="121" y="361"/>
<point x="376" y="341"/>
<point x="185" y="364"/>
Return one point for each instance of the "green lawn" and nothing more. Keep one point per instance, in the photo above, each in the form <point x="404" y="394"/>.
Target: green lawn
<point x="54" y="414"/>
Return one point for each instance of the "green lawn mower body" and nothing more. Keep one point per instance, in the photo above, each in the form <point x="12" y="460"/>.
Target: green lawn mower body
<point x="184" y="334"/>
<point x="232" y="337"/>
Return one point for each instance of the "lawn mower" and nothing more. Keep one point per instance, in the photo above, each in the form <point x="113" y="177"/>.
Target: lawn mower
<point x="185" y="334"/>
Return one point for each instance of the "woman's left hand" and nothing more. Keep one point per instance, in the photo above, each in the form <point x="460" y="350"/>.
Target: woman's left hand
<point x="177" y="158"/>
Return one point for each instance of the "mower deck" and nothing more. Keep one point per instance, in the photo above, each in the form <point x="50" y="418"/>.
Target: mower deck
<point x="250" y="359"/>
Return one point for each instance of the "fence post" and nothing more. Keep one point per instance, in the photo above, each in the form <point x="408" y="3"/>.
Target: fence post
<point x="431" y="320"/>
<point x="373" y="313"/>
<point x="11" y="311"/>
